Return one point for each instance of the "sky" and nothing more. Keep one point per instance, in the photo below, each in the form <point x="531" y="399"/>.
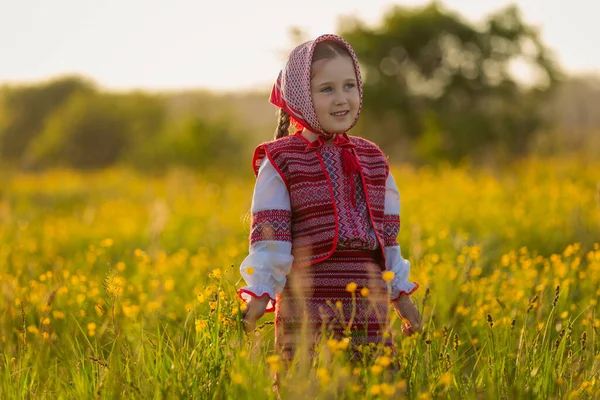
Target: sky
<point x="226" y="45"/>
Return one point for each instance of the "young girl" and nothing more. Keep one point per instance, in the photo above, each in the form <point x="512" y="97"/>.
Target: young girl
<point x="325" y="212"/>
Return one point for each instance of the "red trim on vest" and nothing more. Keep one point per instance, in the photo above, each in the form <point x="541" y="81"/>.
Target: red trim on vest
<point x="315" y="230"/>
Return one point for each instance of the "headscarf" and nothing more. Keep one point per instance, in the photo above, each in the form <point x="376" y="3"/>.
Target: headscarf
<point x="292" y="93"/>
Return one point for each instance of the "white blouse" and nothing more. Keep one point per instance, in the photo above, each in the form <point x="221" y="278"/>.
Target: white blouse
<point x="269" y="262"/>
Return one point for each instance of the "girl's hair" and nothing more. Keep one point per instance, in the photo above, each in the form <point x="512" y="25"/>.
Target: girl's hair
<point x="283" y="125"/>
<point x="325" y="50"/>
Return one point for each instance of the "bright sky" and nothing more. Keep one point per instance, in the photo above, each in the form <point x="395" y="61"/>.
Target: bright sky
<point x="224" y="45"/>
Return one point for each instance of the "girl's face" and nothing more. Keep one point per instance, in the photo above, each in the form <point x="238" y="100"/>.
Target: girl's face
<point x="335" y="93"/>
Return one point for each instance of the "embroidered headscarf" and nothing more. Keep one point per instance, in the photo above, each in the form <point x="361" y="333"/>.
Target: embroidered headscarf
<point x="292" y="93"/>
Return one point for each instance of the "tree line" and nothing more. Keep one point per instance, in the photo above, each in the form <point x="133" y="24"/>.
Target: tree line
<point x="434" y="84"/>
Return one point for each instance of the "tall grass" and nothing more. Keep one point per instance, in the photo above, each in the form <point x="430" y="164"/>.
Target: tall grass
<point x="116" y="285"/>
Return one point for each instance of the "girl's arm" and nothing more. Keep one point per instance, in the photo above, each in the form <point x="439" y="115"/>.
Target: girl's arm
<point x="269" y="260"/>
<point x="393" y="254"/>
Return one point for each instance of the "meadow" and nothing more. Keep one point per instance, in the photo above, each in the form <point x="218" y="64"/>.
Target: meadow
<point x="116" y="284"/>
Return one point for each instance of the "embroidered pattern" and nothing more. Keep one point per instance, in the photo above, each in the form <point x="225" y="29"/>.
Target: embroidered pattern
<point x="308" y="302"/>
<point x="315" y="227"/>
<point x="293" y="83"/>
<point x="354" y="222"/>
<point x="391" y="228"/>
<point x="271" y="225"/>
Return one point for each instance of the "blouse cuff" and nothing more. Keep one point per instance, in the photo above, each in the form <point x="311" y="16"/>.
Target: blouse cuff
<point x="400" y="284"/>
<point x="247" y="293"/>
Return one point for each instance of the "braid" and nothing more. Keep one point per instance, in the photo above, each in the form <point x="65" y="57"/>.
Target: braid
<point x="283" y="126"/>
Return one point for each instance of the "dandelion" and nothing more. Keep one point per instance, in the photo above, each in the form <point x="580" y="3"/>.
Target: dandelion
<point x="351" y="287"/>
<point x="388" y="276"/>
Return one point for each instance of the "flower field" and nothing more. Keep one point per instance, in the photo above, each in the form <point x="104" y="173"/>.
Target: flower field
<point x="119" y="285"/>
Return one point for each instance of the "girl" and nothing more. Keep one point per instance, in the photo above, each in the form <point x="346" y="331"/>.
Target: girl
<point x="325" y="212"/>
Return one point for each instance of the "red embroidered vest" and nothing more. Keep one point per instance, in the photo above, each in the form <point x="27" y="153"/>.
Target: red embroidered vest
<point x="314" y="215"/>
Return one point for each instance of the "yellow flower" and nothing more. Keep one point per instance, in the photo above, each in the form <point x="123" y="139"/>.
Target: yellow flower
<point x="107" y="242"/>
<point x="169" y="285"/>
<point x="46" y="321"/>
<point x="323" y="375"/>
<point x="388" y="276"/>
<point x="351" y="287"/>
<point x="237" y="378"/>
<point x="249" y="270"/>
<point x="200" y="325"/>
<point x="387" y="389"/>
<point x="384" y="361"/>
<point x="200" y="298"/>
<point x="375" y="390"/>
<point x="273" y="362"/>
<point x="376" y="369"/>
<point x="364" y="292"/>
<point x="216" y="274"/>
<point x="446" y="379"/>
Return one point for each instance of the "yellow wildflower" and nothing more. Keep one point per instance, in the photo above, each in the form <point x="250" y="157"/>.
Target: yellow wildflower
<point x="388" y="276"/>
<point x="351" y="287"/>
<point x="364" y="292"/>
<point x="200" y="325"/>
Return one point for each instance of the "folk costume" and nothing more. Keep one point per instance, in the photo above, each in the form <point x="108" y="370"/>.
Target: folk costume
<point x="324" y="214"/>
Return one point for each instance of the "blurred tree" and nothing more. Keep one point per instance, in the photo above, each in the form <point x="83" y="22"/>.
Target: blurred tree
<point x="194" y="142"/>
<point x="89" y="131"/>
<point x="447" y="85"/>
<point x="25" y="109"/>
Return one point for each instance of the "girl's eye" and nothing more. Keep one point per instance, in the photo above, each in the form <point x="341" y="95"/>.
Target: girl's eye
<point x="326" y="89"/>
<point x="350" y="85"/>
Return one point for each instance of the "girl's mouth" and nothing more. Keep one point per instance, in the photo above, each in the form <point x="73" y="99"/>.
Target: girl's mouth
<point x="340" y="113"/>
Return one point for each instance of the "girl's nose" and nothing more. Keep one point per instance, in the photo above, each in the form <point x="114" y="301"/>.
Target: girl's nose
<point x="340" y="99"/>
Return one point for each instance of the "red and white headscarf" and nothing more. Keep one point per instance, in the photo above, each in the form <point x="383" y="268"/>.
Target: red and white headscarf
<point x="291" y="91"/>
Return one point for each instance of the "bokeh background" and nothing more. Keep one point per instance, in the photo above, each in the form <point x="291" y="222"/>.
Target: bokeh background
<point x="126" y="135"/>
<point x="153" y="85"/>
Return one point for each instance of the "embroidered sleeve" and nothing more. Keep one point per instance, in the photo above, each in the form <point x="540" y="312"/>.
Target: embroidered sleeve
<point x="393" y="254"/>
<point x="269" y="260"/>
<point x="391" y="217"/>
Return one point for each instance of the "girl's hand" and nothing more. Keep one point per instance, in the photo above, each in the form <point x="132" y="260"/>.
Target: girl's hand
<point x="255" y="310"/>
<point x="407" y="310"/>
